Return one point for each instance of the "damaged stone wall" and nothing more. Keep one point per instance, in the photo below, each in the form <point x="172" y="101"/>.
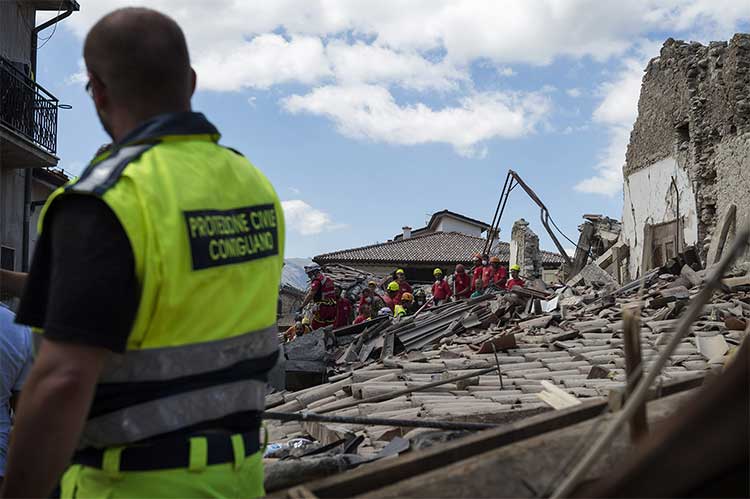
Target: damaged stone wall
<point x="693" y="116"/>
<point x="524" y="250"/>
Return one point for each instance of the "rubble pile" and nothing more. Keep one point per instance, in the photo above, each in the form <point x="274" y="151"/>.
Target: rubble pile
<point x="351" y="280"/>
<point x="569" y="340"/>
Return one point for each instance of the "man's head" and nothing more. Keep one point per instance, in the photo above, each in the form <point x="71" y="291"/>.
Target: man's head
<point x="365" y="310"/>
<point x="393" y="288"/>
<point x="337" y="290"/>
<point x="372" y="285"/>
<point x="400" y="275"/>
<point x="138" y="65"/>
<point x="495" y="262"/>
<point x="312" y="271"/>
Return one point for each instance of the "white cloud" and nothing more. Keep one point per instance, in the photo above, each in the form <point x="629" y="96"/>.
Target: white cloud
<point x="264" y="61"/>
<point x="573" y="92"/>
<point x="617" y="112"/>
<point x="608" y="180"/>
<point x="80" y="77"/>
<point x="371" y="112"/>
<point x="333" y="47"/>
<point x="303" y="218"/>
<point x="363" y="63"/>
<point x="532" y="31"/>
<point x="620" y="104"/>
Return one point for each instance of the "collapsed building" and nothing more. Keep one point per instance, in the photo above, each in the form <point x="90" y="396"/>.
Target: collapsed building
<point x="549" y="372"/>
<point x="686" y="180"/>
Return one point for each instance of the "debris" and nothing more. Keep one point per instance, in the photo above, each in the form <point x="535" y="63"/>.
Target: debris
<point x="691" y="275"/>
<point x="735" y="323"/>
<point x="556" y="397"/>
<point x="712" y="347"/>
<point x="443" y="365"/>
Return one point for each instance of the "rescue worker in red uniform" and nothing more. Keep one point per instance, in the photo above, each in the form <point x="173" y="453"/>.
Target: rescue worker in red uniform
<point x="343" y="309"/>
<point x="500" y="275"/>
<point x="323" y="295"/>
<point x="440" y="289"/>
<point x="365" y="314"/>
<point x="404" y="286"/>
<point x="488" y="272"/>
<point x="515" y="278"/>
<point x="393" y="291"/>
<point x="476" y="272"/>
<point x="461" y="284"/>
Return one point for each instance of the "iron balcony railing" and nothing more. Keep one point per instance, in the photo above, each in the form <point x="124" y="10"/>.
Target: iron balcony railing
<point x="27" y="108"/>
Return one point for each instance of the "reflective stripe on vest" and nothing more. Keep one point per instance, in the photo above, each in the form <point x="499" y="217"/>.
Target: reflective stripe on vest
<point x="157" y="364"/>
<point x="105" y="173"/>
<point x="328" y="292"/>
<point x="172" y="413"/>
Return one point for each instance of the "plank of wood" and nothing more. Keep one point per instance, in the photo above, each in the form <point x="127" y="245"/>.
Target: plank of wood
<point x="384" y="473"/>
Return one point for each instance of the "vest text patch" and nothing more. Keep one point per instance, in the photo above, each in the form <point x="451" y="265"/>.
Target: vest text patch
<point x="222" y="237"/>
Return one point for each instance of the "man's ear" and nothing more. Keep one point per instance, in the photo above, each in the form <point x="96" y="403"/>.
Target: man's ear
<point x="193" y="81"/>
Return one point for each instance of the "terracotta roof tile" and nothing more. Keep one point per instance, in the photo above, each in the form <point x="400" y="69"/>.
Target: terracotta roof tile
<point x="437" y="247"/>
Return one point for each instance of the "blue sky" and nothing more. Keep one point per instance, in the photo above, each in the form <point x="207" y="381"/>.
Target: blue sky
<point x="368" y="116"/>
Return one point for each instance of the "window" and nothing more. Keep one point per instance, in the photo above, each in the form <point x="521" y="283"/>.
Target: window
<point x="683" y="132"/>
<point x="7" y="258"/>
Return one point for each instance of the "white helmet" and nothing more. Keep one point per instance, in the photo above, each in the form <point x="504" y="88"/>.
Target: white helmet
<point x="311" y="269"/>
<point x="385" y="311"/>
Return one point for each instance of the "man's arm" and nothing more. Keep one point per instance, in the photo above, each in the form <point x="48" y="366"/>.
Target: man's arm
<point x="51" y="414"/>
<point x="12" y="283"/>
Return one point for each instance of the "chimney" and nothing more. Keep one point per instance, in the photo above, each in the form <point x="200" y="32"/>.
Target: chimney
<point x="407" y="231"/>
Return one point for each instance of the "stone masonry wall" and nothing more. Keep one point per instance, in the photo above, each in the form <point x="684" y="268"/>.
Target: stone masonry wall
<point x="524" y="249"/>
<point x="695" y="107"/>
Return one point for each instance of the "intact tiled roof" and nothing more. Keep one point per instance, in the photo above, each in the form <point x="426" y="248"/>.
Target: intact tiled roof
<point x="436" y="247"/>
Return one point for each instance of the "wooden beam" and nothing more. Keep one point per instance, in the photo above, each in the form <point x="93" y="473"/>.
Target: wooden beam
<point x="383" y="473"/>
<point x="632" y="347"/>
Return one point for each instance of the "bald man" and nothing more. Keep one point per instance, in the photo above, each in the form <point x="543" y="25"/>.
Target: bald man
<point x="155" y="284"/>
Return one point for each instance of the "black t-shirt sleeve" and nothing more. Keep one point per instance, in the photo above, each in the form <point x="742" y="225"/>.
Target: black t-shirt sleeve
<point x="82" y="286"/>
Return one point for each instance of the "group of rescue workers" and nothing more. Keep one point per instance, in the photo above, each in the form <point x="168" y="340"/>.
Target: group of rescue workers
<point x="396" y="297"/>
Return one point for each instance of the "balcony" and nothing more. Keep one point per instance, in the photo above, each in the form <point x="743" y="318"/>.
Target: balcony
<point x="28" y="121"/>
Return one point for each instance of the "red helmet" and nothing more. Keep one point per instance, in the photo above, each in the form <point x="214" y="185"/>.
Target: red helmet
<point x="460" y="269"/>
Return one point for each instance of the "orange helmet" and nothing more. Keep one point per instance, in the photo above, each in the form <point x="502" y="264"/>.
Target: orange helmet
<point x="495" y="259"/>
<point x="407" y="297"/>
<point x="476" y="256"/>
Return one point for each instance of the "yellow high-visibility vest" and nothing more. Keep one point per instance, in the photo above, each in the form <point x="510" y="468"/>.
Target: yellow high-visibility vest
<point x="207" y="233"/>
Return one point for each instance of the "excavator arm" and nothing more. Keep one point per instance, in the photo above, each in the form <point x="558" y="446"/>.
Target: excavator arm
<point x="513" y="180"/>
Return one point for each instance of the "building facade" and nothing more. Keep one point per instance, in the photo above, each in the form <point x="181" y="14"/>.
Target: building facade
<point x="687" y="171"/>
<point x="28" y="127"/>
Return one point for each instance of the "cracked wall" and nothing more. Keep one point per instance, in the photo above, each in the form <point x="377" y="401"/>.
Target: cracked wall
<point x="694" y="124"/>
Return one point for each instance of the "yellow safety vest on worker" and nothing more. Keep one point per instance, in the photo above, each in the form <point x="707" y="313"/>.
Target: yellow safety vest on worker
<point x="207" y="233"/>
<point x="399" y="311"/>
